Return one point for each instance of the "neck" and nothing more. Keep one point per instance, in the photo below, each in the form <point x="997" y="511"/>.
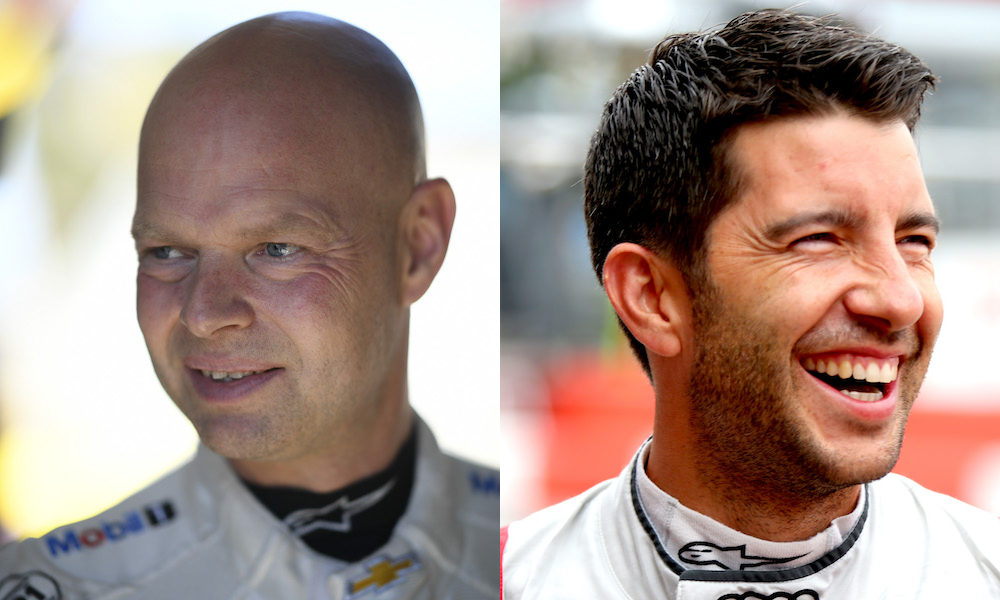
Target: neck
<point x="764" y="508"/>
<point x="357" y="450"/>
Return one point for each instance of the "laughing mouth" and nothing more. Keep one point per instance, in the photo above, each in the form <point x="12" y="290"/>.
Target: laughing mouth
<point x="861" y="378"/>
<point x="227" y="376"/>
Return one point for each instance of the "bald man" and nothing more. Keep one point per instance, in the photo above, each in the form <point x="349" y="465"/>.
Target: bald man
<point x="284" y="224"/>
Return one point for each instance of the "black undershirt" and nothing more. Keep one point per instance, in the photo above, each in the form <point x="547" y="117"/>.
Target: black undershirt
<point x="350" y="523"/>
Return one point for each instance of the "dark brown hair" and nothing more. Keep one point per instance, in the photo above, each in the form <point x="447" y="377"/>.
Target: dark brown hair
<point x="657" y="173"/>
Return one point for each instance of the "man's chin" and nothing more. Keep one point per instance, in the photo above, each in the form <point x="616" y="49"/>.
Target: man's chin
<point x="238" y="438"/>
<point x="852" y="465"/>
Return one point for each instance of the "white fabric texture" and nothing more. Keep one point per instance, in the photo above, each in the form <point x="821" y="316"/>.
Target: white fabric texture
<point x="906" y="543"/>
<point x="198" y="533"/>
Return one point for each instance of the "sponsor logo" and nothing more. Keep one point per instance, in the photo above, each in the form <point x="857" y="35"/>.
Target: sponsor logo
<point x="132" y="523"/>
<point x="383" y="574"/>
<point x="485" y="482"/>
<point x="733" y="558"/>
<point x="335" y="516"/>
<point x="33" y="585"/>
<point x="799" y="595"/>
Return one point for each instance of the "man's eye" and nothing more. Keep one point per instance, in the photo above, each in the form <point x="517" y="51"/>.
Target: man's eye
<point x="922" y="240"/>
<point x="816" y="237"/>
<point x="279" y="250"/>
<point x="165" y="252"/>
<point x="916" y="247"/>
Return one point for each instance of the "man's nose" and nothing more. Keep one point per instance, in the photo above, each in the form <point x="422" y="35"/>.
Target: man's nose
<point x="886" y="295"/>
<point x="216" y="299"/>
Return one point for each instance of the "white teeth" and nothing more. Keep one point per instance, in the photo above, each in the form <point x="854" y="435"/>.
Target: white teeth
<point x="226" y="375"/>
<point x="846" y="370"/>
<point x="849" y="368"/>
<point x="863" y="396"/>
<point x="859" y="372"/>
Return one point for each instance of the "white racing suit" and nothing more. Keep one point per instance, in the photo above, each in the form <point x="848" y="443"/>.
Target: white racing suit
<point x="901" y="542"/>
<point x="199" y="534"/>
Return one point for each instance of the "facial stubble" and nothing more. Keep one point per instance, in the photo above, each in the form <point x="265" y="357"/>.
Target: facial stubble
<point x="753" y="448"/>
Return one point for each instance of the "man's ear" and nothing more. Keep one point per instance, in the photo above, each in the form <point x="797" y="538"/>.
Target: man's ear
<point x="650" y="296"/>
<point x="426" y="223"/>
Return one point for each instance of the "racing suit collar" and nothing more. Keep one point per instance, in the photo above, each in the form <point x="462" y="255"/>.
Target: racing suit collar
<point x="352" y="522"/>
<point x="693" y="545"/>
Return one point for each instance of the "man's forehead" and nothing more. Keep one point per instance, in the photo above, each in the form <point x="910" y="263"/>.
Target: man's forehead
<point x="237" y="220"/>
<point x="795" y="163"/>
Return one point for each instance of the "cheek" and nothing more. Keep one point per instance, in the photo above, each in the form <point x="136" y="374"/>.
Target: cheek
<point x="158" y="305"/>
<point x="319" y="316"/>
<point x="933" y="315"/>
<point x="320" y="312"/>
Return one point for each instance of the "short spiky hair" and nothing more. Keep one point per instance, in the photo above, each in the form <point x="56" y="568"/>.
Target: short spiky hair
<point x="657" y="173"/>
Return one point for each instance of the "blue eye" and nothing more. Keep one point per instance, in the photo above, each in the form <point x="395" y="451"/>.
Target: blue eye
<point x="279" y="250"/>
<point x="165" y="252"/>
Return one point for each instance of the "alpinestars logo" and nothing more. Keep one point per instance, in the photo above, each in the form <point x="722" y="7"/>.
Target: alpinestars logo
<point x="335" y="516"/>
<point x="131" y="523"/>
<point x="732" y="558"/>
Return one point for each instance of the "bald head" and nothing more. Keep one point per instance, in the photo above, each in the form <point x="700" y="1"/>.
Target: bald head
<point x="284" y="226"/>
<point x="302" y="83"/>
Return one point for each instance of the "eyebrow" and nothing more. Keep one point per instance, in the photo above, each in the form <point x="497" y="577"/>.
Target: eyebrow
<point x="829" y="218"/>
<point x="845" y="219"/>
<point x="916" y="220"/>
<point x="282" y="225"/>
<point x="145" y="230"/>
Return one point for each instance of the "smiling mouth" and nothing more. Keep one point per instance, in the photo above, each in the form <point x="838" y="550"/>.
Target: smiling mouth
<point x="227" y="376"/>
<point x="861" y="378"/>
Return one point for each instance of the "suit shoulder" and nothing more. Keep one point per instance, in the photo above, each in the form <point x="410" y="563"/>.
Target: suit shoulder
<point x="553" y="525"/>
<point x="478" y="486"/>
<point x="903" y="489"/>
<point x="909" y="506"/>
<point x="128" y="539"/>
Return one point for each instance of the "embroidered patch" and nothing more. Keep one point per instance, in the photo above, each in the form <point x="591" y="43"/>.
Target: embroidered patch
<point x="799" y="595"/>
<point x="383" y="574"/>
<point x="335" y="516"/>
<point x="485" y="482"/>
<point x="732" y="558"/>
<point x="131" y="523"/>
<point x="33" y="585"/>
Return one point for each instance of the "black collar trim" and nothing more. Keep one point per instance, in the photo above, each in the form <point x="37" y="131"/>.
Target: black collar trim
<point x="354" y="521"/>
<point x="748" y="576"/>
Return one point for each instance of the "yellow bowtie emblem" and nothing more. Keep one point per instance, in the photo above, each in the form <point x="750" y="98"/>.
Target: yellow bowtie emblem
<point x="383" y="573"/>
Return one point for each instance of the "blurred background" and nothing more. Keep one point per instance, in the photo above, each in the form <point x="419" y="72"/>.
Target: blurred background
<point x="574" y="403"/>
<point x="83" y="421"/>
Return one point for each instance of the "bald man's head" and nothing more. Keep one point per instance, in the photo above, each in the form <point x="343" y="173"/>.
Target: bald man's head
<point x="284" y="225"/>
<point x="305" y="76"/>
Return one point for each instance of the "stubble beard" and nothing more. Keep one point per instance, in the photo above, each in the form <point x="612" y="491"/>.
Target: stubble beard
<point x="753" y="451"/>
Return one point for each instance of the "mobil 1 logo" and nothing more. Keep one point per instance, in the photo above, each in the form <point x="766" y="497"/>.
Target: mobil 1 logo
<point x="130" y="524"/>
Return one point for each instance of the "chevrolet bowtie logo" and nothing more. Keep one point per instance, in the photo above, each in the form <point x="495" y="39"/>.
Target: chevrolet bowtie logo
<point x="335" y="516"/>
<point x="384" y="573"/>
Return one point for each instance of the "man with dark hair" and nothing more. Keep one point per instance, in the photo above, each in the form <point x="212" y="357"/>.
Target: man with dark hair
<point x="284" y="225"/>
<point x="760" y="223"/>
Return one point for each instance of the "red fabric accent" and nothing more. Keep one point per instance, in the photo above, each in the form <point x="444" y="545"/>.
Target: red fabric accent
<point x="503" y="543"/>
